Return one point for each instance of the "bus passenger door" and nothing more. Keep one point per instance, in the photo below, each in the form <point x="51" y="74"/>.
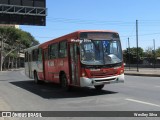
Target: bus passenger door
<point x="45" y="64"/>
<point x="74" y="67"/>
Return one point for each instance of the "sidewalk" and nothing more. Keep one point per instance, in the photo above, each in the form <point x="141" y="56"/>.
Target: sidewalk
<point x="152" y="72"/>
<point x="14" y="69"/>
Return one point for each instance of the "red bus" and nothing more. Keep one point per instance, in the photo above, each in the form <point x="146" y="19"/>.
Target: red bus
<point x="82" y="58"/>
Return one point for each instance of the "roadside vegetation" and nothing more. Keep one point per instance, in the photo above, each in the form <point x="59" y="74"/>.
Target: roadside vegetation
<point x="145" y="56"/>
<point x="13" y="41"/>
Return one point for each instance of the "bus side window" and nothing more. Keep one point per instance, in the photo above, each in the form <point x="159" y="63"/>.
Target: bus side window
<point x="49" y="52"/>
<point x="53" y="51"/>
<point x="46" y="56"/>
<point x="39" y="54"/>
<point x="35" y="55"/>
<point x="63" y="49"/>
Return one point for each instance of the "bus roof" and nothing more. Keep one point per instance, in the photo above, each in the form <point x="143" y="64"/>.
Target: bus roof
<point x="72" y="34"/>
<point x="96" y="31"/>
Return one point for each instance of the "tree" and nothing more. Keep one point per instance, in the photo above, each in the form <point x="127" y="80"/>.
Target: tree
<point x="13" y="39"/>
<point x="150" y="55"/>
<point x="158" y="52"/>
<point x="149" y="52"/>
<point x="132" y="53"/>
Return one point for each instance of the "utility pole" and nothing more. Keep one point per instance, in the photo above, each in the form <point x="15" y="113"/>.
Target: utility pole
<point x="137" y="44"/>
<point x="129" y="52"/>
<point x="154" y="52"/>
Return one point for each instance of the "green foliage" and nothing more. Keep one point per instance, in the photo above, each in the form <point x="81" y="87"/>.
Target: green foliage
<point x="14" y="40"/>
<point x="133" y="51"/>
<point x="131" y="55"/>
<point x="13" y="36"/>
<point x="149" y="53"/>
<point x="158" y="52"/>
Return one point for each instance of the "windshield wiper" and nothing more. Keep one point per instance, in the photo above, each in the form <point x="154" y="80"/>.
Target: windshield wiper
<point x="101" y="66"/>
<point x="113" y="65"/>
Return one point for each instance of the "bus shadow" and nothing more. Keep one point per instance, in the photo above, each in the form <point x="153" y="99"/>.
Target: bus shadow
<point x="53" y="91"/>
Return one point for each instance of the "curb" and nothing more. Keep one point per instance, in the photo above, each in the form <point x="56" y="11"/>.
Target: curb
<point x="18" y="69"/>
<point x="142" y="74"/>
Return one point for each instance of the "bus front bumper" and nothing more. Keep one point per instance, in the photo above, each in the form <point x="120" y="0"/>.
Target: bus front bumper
<point x="84" y="81"/>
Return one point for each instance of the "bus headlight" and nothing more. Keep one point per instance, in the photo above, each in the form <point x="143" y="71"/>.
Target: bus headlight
<point x="121" y="71"/>
<point x="83" y="74"/>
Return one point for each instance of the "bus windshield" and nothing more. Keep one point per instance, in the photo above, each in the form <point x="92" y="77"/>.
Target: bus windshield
<point x="100" y="52"/>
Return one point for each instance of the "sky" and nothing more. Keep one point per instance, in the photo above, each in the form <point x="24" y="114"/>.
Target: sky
<point x="66" y="16"/>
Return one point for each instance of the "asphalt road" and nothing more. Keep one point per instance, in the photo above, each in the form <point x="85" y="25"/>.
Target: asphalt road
<point x="19" y="93"/>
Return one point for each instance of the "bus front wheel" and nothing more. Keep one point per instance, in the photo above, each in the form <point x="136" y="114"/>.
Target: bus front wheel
<point x="99" y="87"/>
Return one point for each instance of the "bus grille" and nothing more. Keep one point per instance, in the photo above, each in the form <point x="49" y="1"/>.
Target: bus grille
<point x="105" y="80"/>
<point x="101" y="74"/>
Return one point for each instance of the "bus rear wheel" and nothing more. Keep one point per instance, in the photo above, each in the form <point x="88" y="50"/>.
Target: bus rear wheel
<point x="99" y="87"/>
<point x="36" y="80"/>
<point x="64" y="82"/>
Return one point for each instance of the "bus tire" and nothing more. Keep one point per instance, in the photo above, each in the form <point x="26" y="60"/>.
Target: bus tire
<point x="64" y="82"/>
<point x="36" y="80"/>
<point x="99" y="87"/>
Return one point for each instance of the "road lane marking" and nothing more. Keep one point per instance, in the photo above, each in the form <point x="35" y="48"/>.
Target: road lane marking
<point x="142" y="102"/>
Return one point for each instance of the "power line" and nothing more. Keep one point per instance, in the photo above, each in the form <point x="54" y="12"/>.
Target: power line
<point x="102" y="22"/>
<point x="82" y="21"/>
<point x="141" y="35"/>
